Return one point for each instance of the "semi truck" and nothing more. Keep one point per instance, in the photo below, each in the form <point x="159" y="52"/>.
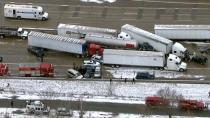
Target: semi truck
<point x="144" y="59"/>
<point x="159" y="43"/>
<point x="36" y="70"/>
<point x="184" y="32"/>
<point x="3" y="69"/>
<point x="110" y="40"/>
<point x="80" y="31"/>
<point x="9" y="31"/>
<point x="25" y="11"/>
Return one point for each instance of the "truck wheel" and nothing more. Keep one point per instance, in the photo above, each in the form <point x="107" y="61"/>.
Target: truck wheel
<point x="181" y="70"/>
<point x="43" y="18"/>
<point x="18" y="17"/>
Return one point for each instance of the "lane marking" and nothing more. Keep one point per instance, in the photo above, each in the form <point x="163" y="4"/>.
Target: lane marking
<point x="190" y="3"/>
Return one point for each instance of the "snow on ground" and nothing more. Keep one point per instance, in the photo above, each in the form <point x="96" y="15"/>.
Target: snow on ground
<point x="99" y="1"/>
<point x="87" y="114"/>
<point x="96" y="91"/>
<point x="130" y="72"/>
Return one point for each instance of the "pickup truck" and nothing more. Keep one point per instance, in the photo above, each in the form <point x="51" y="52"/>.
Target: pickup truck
<point x="9" y="31"/>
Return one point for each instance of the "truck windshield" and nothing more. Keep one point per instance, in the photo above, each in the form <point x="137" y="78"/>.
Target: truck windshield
<point x="41" y="13"/>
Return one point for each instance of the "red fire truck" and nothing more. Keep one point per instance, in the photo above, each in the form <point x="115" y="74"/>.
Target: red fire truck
<point x="36" y="70"/>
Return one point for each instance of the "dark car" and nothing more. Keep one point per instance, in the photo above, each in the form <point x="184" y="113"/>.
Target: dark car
<point x="205" y="49"/>
<point x="146" y="47"/>
<point x="145" y="75"/>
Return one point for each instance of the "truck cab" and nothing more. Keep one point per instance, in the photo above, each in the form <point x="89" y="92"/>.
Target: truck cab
<point x="123" y="36"/>
<point x="22" y="33"/>
<point x="179" y="50"/>
<point x="175" y="63"/>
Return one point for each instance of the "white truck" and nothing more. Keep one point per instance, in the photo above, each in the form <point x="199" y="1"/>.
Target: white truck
<point x="9" y="31"/>
<point x="111" y="40"/>
<point x="184" y="32"/>
<point x="36" y="107"/>
<point x="25" y="11"/>
<point x="143" y="59"/>
<point x="159" y="43"/>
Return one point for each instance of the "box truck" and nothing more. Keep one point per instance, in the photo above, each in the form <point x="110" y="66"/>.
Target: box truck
<point x="144" y="59"/>
<point x="25" y="11"/>
<point x="159" y="43"/>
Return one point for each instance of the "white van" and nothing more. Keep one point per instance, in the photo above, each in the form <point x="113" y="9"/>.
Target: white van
<point x="25" y="11"/>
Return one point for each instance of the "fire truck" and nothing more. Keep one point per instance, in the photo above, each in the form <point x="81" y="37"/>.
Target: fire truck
<point x="156" y="101"/>
<point x="36" y="70"/>
<point x="191" y="105"/>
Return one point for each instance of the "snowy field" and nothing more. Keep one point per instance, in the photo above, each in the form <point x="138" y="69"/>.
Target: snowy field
<point x="96" y="91"/>
<point x="75" y="114"/>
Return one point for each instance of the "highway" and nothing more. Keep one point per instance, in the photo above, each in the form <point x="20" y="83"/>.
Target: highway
<point x="143" y="15"/>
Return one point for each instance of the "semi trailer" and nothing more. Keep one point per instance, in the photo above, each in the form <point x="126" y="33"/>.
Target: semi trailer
<point x="80" y="31"/>
<point x="159" y="43"/>
<point x="58" y="43"/>
<point x="143" y="59"/>
<point x="184" y="32"/>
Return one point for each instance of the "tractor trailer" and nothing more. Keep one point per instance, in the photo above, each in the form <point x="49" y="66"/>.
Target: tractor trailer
<point x="159" y="43"/>
<point x="144" y="59"/>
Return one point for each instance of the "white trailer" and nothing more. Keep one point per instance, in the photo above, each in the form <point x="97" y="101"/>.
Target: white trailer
<point x="159" y="43"/>
<point x="110" y="40"/>
<point x="25" y="11"/>
<point x="143" y="58"/>
<point x="80" y="31"/>
<point x="183" y="32"/>
<point x="58" y="43"/>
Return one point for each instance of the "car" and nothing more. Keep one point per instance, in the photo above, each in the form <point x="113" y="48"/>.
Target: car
<point x="205" y="49"/>
<point x="145" y="75"/>
<point x="74" y="74"/>
<point x="61" y="111"/>
<point x="97" y="58"/>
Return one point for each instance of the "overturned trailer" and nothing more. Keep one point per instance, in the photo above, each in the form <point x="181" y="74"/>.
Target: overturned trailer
<point x="58" y="43"/>
<point x="80" y="31"/>
<point x="110" y="41"/>
<point x="159" y="43"/>
<point x="183" y="32"/>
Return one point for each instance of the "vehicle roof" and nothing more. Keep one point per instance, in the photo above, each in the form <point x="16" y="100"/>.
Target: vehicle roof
<point x="182" y="27"/>
<point x="133" y="52"/>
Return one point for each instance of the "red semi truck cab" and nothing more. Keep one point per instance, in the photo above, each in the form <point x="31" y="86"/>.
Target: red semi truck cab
<point x="3" y="69"/>
<point x="95" y="49"/>
<point x="156" y="101"/>
<point x="191" y="105"/>
<point x="36" y="70"/>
